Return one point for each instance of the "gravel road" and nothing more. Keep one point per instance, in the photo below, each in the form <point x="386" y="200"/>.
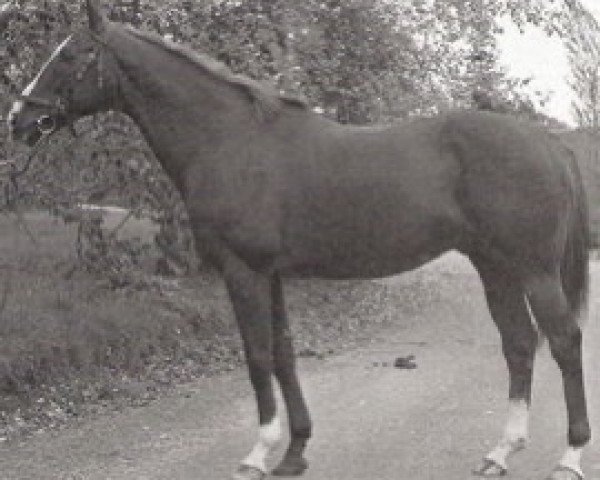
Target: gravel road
<point x="372" y="421"/>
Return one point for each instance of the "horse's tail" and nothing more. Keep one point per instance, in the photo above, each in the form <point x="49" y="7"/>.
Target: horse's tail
<point x="575" y="261"/>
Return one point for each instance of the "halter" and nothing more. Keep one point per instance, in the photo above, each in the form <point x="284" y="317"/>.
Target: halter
<point x="46" y="124"/>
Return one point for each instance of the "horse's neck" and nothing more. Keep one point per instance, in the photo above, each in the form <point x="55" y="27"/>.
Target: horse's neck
<point x="180" y="110"/>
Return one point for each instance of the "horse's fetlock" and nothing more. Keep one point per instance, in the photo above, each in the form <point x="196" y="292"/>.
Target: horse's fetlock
<point x="579" y="434"/>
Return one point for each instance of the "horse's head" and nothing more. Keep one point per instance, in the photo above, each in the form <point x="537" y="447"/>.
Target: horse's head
<point x="74" y="82"/>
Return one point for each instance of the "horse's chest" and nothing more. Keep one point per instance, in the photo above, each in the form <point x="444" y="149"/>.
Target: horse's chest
<point x="243" y="221"/>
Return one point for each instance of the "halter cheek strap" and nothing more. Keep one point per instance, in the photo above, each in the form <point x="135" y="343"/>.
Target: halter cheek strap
<point x="42" y="102"/>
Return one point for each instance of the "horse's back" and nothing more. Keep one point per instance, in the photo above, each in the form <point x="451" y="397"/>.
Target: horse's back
<point x="368" y="201"/>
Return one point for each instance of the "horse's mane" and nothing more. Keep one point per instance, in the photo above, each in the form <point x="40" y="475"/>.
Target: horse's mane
<point x="267" y="101"/>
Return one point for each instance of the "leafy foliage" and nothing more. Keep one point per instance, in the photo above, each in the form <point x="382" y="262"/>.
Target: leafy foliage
<point x="582" y="40"/>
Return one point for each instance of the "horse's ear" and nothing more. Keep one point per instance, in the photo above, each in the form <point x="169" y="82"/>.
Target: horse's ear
<point x="95" y="16"/>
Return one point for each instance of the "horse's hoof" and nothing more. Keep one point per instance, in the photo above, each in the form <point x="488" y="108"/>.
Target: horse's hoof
<point x="291" y="466"/>
<point x="247" y="472"/>
<point x="565" y="473"/>
<point x="489" y="468"/>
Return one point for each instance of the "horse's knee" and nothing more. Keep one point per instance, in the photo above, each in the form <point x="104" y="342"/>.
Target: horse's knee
<point x="260" y="366"/>
<point x="260" y="362"/>
<point x="284" y="364"/>
<point x="519" y="348"/>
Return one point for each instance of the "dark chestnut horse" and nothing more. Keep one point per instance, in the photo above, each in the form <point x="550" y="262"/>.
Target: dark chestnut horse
<point x="273" y="190"/>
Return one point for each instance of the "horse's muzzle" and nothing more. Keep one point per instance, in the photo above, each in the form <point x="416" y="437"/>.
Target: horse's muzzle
<point x="31" y="131"/>
<point x="28" y="135"/>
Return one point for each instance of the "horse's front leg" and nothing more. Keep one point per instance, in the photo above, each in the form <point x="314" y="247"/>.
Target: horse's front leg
<point x="293" y="463"/>
<point x="250" y="294"/>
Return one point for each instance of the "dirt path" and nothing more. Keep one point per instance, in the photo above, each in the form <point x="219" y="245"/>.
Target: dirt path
<point x="371" y="421"/>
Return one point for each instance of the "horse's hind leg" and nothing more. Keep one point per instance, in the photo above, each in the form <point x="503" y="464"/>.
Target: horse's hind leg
<point x="506" y="301"/>
<point x="558" y="322"/>
<point x="293" y="462"/>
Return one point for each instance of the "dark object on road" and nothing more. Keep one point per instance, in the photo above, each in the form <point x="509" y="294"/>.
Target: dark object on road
<point x="407" y="362"/>
<point x="273" y="189"/>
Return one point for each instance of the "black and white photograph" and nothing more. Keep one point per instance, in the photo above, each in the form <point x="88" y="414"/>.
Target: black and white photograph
<point x="313" y="239"/>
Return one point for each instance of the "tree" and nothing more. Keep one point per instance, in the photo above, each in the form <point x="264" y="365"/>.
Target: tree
<point x="583" y="46"/>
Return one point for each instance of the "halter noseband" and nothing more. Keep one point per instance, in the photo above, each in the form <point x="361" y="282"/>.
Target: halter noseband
<point x="46" y="123"/>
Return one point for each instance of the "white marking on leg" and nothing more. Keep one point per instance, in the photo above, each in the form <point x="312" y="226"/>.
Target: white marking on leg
<point x="269" y="436"/>
<point x="19" y="104"/>
<point x="572" y="459"/>
<point x="515" y="433"/>
<point x="517" y="426"/>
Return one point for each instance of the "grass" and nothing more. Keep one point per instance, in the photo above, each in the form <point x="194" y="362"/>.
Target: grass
<point x="56" y="319"/>
<point x="67" y="339"/>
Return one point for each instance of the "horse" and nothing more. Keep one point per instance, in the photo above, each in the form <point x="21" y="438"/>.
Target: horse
<point x="275" y="190"/>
